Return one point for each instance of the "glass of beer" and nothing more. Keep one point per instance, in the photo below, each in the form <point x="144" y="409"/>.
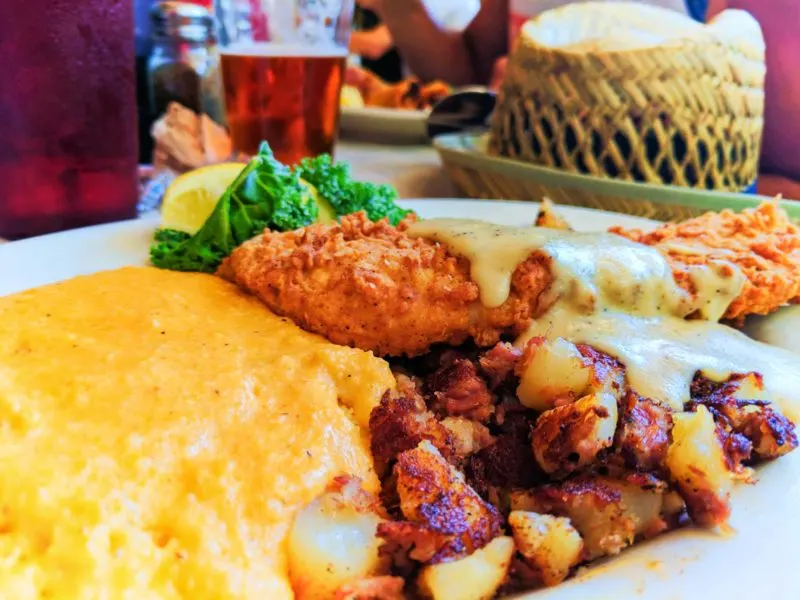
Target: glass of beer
<point x="282" y="65"/>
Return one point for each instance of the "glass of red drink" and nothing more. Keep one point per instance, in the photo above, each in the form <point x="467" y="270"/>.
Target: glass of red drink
<point x="68" y="155"/>
<point x="282" y="64"/>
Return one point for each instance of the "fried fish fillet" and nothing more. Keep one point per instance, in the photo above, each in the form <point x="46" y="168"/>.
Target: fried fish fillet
<point x="372" y="286"/>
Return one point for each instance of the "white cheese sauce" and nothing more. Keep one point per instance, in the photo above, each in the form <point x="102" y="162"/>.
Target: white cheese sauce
<point x="622" y="298"/>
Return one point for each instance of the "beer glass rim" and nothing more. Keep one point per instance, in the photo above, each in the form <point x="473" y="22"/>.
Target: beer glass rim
<point x="286" y="27"/>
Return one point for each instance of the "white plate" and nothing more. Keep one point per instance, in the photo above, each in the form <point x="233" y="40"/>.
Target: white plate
<point x="385" y="125"/>
<point x="759" y="557"/>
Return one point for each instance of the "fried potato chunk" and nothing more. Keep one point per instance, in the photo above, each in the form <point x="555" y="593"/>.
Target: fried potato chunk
<point x="476" y="577"/>
<point x="569" y="437"/>
<point x="608" y="513"/>
<point x="552" y="371"/>
<point x="435" y="494"/>
<point x="698" y="467"/>
<point x="400" y="422"/>
<point x="468" y="436"/>
<point x="643" y="435"/>
<point x="578" y="388"/>
<point x="551" y="545"/>
<point x="332" y="541"/>
<point x="741" y="406"/>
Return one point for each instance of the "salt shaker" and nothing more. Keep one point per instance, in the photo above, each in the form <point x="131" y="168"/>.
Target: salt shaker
<point x="183" y="66"/>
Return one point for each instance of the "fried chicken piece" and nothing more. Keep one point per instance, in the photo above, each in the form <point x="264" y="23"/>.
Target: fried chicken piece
<point x="762" y="242"/>
<point x="372" y="286"/>
<point x="369" y="285"/>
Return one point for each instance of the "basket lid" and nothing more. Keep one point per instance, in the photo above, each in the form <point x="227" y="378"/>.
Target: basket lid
<point x="588" y="27"/>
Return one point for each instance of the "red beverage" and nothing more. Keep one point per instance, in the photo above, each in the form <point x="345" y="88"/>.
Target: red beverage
<point x="287" y="95"/>
<point x="68" y="137"/>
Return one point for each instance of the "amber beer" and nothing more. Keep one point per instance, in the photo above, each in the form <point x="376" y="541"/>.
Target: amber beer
<point x="285" y="94"/>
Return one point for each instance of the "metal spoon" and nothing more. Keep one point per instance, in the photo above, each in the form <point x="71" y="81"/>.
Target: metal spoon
<point x="465" y="111"/>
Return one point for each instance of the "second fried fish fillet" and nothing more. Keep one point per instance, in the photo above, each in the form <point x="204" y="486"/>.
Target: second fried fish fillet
<point x="372" y="286"/>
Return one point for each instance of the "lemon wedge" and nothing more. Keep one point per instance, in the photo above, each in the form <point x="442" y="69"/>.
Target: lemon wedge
<point x="191" y="197"/>
<point x="326" y="213"/>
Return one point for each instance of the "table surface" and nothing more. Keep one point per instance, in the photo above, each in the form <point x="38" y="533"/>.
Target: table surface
<point x="414" y="170"/>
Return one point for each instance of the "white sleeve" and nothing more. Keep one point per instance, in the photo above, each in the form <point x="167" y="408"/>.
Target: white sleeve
<point x="453" y="15"/>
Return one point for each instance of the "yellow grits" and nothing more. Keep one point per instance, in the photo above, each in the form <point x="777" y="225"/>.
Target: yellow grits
<point x="158" y="430"/>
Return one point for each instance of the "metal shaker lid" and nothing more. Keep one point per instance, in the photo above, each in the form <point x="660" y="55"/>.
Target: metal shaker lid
<point x="181" y="20"/>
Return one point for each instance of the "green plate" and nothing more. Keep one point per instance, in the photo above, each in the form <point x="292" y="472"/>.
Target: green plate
<point x="482" y="175"/>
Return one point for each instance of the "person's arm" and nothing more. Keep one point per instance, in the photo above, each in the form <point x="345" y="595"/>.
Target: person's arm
<point x="372" y="43"/>
<point x="779" y="21"/>
<point x="459" y="58"/>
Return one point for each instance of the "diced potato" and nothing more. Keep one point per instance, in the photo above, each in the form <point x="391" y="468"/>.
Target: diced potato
<point x="476" y="577"/>
<point x="569" y="437"/>
<point x="468" y="436"/>
<point x="697" y="465"/>
<point x="747" y="387"/>
<point x="549" y="544"/>
<point x="553" y="370"/>
<point x="433" y="493"/>
<point x="330" y="544"/>
<point x="608" y="513"/>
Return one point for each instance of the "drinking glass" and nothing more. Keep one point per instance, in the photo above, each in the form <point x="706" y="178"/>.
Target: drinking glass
<point x="68" y="155"/>
<point x="282" y="64"/>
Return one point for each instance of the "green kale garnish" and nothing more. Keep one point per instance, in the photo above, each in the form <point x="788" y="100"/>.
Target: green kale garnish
<point x="266" y="194"/>
<point x="335" y="184"/>
<point x="270" y="195"/>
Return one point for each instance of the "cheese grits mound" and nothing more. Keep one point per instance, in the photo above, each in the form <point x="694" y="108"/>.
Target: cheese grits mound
<point x="159" y="430"/>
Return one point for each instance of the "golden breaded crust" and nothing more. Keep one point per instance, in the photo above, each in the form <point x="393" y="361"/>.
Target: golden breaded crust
<point x="762" y="242"/>
<point x="369" y="285"/>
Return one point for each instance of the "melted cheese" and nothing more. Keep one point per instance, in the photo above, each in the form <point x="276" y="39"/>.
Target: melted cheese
<point x="159" y="430"/>
<point x="621" y="297"/>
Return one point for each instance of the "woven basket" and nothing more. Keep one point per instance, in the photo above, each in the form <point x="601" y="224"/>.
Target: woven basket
<point x="638" y="93"/>
<point x="479" y="174"/>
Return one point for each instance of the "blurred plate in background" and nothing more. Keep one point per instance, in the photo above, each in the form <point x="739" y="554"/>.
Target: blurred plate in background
<point x="384" y="125"/>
